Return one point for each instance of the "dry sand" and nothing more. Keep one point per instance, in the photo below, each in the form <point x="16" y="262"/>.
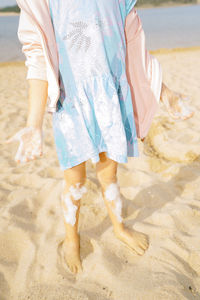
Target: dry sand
<point x="6" y="14"/>
<point x="161" y="197"/>
<point x="164" y="4"/>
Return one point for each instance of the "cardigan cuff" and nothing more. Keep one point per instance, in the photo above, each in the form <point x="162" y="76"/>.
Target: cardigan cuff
<point x="34" y="73"/>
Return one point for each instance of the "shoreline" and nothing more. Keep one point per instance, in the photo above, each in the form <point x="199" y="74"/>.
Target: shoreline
<point x="165" y="5"/>
<point x="171" y="50"/>
<point x="150" y="6"/>
<point x="7" y="14"/>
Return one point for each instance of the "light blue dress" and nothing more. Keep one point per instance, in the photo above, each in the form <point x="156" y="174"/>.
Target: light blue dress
<point x="94" y="112"/>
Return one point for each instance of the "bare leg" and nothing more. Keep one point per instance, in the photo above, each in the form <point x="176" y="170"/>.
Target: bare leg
<point x="106" y="173"/>
<point x="71" y="197"/>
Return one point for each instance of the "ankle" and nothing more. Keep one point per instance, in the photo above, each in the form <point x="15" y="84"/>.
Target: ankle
<point x="118" y="228"/>
<point x="73" y="237"/>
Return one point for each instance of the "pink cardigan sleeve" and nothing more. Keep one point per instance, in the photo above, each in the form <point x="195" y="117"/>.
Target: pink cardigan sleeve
<point x="31" y="47"/>
<point x="144" y="75"/>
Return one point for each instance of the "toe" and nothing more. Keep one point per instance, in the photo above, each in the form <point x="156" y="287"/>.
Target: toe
<point x="144" y="243"/>
<point x="144" y="246"/>
<point x="80" y="266"/>
<point x="146" y="240"/>
<point x="74" y="269"/>
<point x="140" y="251"/>
<point x="80" y="269"/>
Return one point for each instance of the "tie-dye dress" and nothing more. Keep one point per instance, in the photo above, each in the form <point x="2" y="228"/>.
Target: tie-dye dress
<point x="94" y="112"/>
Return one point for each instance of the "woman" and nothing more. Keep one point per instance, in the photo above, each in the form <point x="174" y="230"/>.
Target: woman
<point x="91" y="104"/>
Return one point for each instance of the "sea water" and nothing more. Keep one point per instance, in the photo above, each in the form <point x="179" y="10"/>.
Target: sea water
<point x="166" y="27"/>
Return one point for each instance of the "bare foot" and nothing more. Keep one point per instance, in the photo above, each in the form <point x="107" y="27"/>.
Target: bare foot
<point x="136" y="241"/>
<point x="71" y="253"/>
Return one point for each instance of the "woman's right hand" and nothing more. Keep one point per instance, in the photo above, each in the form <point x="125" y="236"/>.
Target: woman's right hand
<point x="31" y="143"/>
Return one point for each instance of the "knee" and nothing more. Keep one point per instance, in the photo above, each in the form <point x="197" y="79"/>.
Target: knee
<point x="106" y="178"/>
<point x="69" y="198"/>
<point x="76" y="190"/>
<point x="106" y="171"/>
<point x="75" y="176"/>
<point x="74" y="182"/>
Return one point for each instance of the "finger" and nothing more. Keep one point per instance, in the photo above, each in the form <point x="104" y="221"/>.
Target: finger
<point x="20" y="152"/>
<point x="30" y="157"/>
<point x="20" y="160"/>
<point x="15" y="137"/>
<point x="10" y="140"/>
<point x="23" y="159"/>
<point x="37" y="152"/>
<point x="182" y="96"/>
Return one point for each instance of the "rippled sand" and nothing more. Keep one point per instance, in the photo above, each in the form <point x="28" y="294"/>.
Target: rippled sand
<point x="161" y="197"/>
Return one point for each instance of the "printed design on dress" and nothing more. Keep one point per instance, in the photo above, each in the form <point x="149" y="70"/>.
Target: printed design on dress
<point x="82" y="33"/>
<point x="78" y="37"/>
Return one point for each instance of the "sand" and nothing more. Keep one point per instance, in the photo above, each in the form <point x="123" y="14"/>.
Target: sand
<point x="6" y="14"/>
<point x="161" y="197"/>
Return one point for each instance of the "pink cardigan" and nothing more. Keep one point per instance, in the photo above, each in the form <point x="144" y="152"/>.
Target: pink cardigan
<point x="144" y="74"/>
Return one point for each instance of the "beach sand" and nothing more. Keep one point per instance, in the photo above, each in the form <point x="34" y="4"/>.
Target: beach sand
<point x="161" y="197"/>
<point x="6" y="14"/>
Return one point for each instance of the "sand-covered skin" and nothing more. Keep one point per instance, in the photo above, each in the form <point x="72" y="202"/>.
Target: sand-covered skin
<point x="161" y="197"/>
